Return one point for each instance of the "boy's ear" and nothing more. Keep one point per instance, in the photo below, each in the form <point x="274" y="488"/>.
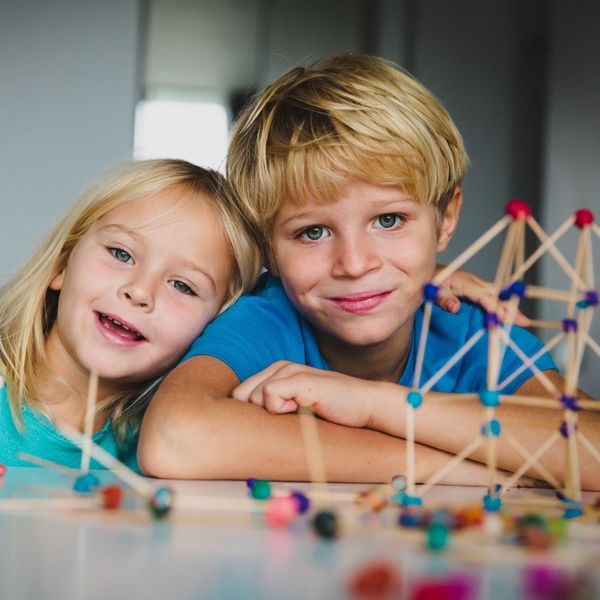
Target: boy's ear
<point x="57" y="281"/>
<point x="450" y="220"/>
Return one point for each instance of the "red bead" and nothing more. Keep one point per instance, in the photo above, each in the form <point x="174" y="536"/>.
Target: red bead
<point x="2" y="470"/>
<point x="280" y="511"/>
<point x="517" y="209"/>
<point x="583" y="217"/>
<point x="112" y="496"/>
<point x="375" y="580"/>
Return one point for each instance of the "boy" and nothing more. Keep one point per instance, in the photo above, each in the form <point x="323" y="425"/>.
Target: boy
<point x="351" y="171"/>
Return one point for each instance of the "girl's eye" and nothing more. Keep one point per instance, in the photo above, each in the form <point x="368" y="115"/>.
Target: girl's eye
<point x="388" y="221"/>
<point x="184" y="288"/>
<point x="122" y="255"/>
<point x="314" y="233"/>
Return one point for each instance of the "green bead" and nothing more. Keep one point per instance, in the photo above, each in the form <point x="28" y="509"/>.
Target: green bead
<point x="437" y="536"/>
<point x="261" y="490"/>
<point x="534" y="519"/>
<point x="558" y="527"/>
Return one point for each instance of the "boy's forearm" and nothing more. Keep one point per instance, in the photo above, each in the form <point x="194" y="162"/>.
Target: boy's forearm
<point x="192" y="436"/>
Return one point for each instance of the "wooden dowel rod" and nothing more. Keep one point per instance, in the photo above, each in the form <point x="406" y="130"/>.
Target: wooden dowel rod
<point x="545" y="324"/>
<point x="88" y="424"/>
<point x="532" y="291"/>
<point x="42" y="462"/>
<point x="471" y="250"/>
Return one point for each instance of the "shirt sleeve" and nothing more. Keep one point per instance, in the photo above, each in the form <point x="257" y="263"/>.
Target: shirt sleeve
<point x="258" y="330"/>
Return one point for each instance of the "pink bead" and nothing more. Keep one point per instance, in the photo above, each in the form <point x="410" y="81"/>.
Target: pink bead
<point x="2" y="470"/>
<point x="583" y="217"/>
<point x="518" y="209"/>
<point x="280" y="511"/>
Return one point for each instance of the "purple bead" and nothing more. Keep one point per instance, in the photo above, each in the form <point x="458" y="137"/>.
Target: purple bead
<point x="491" y="320"/>
<point x="302" y="501"/>
<point x="569" y="325"/>
<point x="570" y="402"/>
<point x="591" y="298"/>
<point x="431" y="292"/>
<point x="250" y="482"/>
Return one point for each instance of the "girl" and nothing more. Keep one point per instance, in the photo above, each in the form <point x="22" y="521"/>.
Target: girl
<point x="125" y="282"/>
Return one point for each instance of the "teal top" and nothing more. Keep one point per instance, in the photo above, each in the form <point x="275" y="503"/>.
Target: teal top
<point x="41" y="438"/>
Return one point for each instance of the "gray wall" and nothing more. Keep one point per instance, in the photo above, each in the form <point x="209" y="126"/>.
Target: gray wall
<point x="69" y="82"/>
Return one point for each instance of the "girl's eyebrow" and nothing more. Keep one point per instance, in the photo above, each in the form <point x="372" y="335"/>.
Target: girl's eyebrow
<point x="184" y="262"/>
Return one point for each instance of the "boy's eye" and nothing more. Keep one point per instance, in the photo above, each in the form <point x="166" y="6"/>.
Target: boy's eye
<point x="121" y="255"/>
<point x="388" y="221"/>
<point x="184" y="288"/>
<point x="314" y="233"/>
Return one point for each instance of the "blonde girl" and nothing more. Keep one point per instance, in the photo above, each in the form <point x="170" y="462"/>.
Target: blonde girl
<point x="124" y="283"/>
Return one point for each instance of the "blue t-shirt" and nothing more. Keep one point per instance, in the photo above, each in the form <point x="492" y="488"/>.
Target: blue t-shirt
<point x="263" y="327"/>
<point x="42" y="439"/>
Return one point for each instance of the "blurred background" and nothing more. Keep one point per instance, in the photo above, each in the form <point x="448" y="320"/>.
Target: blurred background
<point x="86" y="84"/>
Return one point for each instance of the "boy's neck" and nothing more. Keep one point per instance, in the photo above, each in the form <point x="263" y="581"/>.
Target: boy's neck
<point x="378" y="362"/>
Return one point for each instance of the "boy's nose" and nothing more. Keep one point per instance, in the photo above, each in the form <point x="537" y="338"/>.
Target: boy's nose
<point x="355" y="256"/>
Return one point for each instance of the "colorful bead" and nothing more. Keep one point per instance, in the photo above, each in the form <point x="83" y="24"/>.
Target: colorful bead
<point x="414" y="398"/>
<point x="302" y="502"/>
<point x="261" y="490"/>
<point x="437" y="536"/>
<point x="490" y="320"/>
<point x="112" y="496"/>
<point x="250" y="482"/>
<point x="492" y="428"/>
<point x="412" y="516"/>
<point x="565" y="429"/>
<point x="491" y="503"/>
<point x="2" y="470"/>
<point x="573" y="512"/>
<point x="325" y="524"/>
<point x="412" y="500"/>
<point x="489" y="398"/>
<point x="569" y="325"/>
<point x="161" y="502"/>
<point x="583" y="217"/>
<point x="86" y="483"/>
<point x="518" y="209"/>
<point x="399" y="482"/>
<point x="431" y="292"/>
<point x="280" y="511"/>
<point x="591" y="298"/>
<point x="570" y="402"/>
<point x="375" y="580"/>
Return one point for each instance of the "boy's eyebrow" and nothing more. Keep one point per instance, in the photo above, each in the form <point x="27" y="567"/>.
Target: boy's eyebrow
<point x="186" y="263"/>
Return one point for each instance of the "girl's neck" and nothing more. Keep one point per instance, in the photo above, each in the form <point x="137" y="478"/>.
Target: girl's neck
<point x="378" y="362"/>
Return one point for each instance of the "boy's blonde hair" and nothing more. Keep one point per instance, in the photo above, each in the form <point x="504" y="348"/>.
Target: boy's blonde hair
<point x="351" y="116"/>
<point x="28" y="307"/>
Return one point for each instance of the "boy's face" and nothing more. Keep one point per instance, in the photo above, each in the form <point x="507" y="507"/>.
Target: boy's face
<point x="139" y="286"/>
<point x="355" y="267"/>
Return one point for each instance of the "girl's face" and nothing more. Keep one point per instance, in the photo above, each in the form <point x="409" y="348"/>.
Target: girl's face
<point x="138" y="288"/>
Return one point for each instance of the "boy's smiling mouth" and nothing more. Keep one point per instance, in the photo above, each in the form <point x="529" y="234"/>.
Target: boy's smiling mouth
<point x="117" y="329"/>
<point x="360" y="303"/>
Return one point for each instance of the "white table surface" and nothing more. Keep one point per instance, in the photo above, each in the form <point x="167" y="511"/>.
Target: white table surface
<point x="126" y="554"/>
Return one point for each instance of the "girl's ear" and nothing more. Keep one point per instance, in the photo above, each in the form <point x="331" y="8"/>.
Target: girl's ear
<point x="450" y="220"/>
<point x="57" y="281"/>
<point x="271" y="262"/>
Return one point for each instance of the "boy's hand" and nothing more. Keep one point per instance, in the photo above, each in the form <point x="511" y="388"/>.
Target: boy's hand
<point x="284" y="386"/>
<point x="467" y="285"/>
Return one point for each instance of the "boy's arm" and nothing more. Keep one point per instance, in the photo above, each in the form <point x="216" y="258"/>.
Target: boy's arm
<point x="193" y="430"/>
<point x="441" y="421"/>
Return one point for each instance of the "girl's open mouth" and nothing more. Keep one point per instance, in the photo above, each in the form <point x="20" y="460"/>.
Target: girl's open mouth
<point x="119" y="329"/>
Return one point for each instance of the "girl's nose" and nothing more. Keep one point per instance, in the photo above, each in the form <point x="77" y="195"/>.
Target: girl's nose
<point x="139" y="293"/>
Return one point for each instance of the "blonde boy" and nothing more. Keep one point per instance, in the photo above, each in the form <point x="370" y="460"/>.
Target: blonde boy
<point x="352" y="172"/>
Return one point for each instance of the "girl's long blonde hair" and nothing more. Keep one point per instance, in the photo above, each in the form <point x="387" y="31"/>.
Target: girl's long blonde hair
<point x="28" y="307"/>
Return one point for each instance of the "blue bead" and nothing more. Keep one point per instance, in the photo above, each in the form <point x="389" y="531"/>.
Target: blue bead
<point x="518" y="288"/>
<point x="489" y="398"/>
<point x="492" y="427"/>
<point x="591" y="298"/>
<point x="570" y="402"/>
<point x="505" y="294"/>
<point x="491" y="503"/>
<point x="490" y="320"/>
<point x="431" y="292"/>
<point x="414" y="398"/>
<point x="397" y="498"/>
<point x="250" y="482"/>
<point x="573" y="512"/>
<point x="161" y="502"/>
<point x="302" y="501"/>
<point x="569" y="325"/>
<point x="410" y="518"/>
<point x="412" y="500"/>
<point x="86" y="483"/>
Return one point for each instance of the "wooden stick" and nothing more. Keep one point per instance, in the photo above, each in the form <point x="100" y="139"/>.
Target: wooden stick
<point x="451" y="464"/>
<point x="88" y="425"/>
<point x="422" y="344"/>
<point x="543" y="247"/>
<point x="312" y="445"/>
<point x="588" y="445"/>
<point x="575" y="475"/>
<point x="471" y="250"/>
<point x="544" y="402"/>
<point x="532" y="460"/>
<point x="42" y="462"/>
<point x="526" y="364"/>
<point x="560" y="259"/>
<point x="452" y="361"/>
<point x="592" y="344"/>
<point x="506" y="256"/>
<point x="124" y="473"/>
<point x="596" y="229"/>
<point x="445" y="398"/>
<point x="545" y="324"/>
<point x="410" y="449"/>
<point x="542" y="378"/>
<point x="534" y="291"/>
